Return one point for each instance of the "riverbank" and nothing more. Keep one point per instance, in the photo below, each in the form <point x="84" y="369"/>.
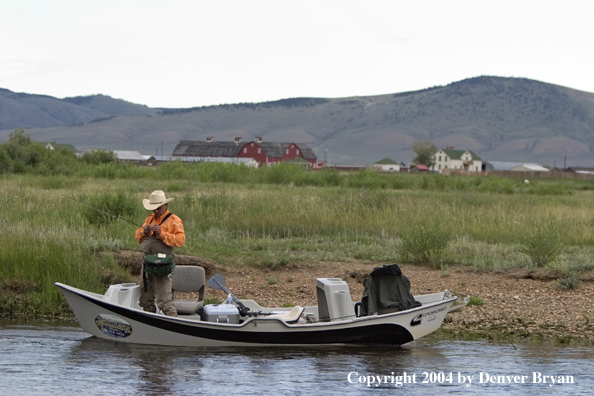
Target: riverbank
<point x="517" y="304"/>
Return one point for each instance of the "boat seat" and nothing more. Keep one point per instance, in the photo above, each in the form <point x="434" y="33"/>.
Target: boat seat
<point x="188" y="279"/>
<point x="291" y="316"/>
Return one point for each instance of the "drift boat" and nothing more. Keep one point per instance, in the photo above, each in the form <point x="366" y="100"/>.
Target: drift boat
<point x="117" y="316"/>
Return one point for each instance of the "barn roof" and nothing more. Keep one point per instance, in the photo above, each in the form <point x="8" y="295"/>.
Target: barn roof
<point x="273" y="149"/>
<point x="193" y="148"/>
<point x="306" y="151"/>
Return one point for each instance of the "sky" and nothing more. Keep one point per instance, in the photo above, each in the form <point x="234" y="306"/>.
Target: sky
<point x="187" y="53"/>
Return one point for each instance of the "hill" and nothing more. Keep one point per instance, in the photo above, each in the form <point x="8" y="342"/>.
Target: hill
<point x="22" y="110"/>
<point x="505" y="119"/>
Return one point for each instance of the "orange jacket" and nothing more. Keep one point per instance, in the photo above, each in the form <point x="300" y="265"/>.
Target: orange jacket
<point x="172" y="230"/>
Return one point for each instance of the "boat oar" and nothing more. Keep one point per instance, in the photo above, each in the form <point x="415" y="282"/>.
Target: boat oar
<point x="217" y="282"/>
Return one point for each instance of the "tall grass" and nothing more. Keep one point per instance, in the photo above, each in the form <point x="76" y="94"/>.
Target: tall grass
<point x="274" y="217"/>
<point x="46" y="241"/>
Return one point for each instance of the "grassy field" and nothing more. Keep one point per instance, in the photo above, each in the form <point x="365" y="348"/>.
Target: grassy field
<point x="282" y="215"/>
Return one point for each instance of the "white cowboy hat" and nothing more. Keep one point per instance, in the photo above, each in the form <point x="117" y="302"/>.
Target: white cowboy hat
<point x="156" y="200"/>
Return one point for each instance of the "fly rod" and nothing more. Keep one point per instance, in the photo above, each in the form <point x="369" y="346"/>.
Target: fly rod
<point x="97" y="209"/>
<point x="493" y="323"/>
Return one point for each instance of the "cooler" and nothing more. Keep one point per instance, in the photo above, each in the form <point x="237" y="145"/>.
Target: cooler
<point x="221" y="313"/>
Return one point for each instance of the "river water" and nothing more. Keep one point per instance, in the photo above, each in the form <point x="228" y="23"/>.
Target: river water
<point x="60" y="359"/>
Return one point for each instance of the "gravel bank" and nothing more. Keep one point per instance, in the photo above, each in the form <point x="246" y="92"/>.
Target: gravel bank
<point x="518" y="304"/>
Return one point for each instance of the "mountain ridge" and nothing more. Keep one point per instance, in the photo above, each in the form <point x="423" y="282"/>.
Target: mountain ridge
<point x="499" y="118"/>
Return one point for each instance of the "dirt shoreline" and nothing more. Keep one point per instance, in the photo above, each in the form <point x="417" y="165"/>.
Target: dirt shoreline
<point x="518" y="304"/>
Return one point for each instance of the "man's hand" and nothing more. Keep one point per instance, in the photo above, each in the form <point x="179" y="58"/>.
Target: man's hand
<point x="147" y="230"/>
<point x="156" y="229"/>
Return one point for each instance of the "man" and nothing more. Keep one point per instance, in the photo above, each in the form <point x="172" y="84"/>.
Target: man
<point x="160" y="233"/>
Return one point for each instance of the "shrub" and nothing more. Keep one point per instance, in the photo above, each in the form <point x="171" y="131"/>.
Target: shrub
<point x="543" y="245"/>
<point x="475" y="301"/>
<point x="494" y="184"/>
<point x="548" y="189"/>
<point x="571" y="282"/>
<point x="282" y="173"/>
<point x="366" y="178"/>
<point x="106" y="207"/>
<point x="98" y="157"/>
<point x="425" y="244"/>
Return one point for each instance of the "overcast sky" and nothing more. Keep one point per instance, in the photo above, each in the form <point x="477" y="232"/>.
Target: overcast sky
<point x="185" y="53"/>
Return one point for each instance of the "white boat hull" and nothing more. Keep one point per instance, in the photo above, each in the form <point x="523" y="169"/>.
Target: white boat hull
<point x="100" y="316"/>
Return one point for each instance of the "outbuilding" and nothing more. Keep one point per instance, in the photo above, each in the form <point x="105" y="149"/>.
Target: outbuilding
<point x="131" y="157"/>
<point x="387" y="165"/>
<point x="418" y="168"/>
<point x="529" y="168"/>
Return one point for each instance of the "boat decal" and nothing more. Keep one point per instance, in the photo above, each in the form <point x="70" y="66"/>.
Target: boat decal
<point x="113" y="325"/>
<point x="416" y="320"/>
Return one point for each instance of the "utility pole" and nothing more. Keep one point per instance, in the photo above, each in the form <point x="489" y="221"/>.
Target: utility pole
<point x="565" y="165"/>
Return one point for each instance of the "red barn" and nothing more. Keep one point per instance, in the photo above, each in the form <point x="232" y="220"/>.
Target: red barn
<point x="266" y="153"/>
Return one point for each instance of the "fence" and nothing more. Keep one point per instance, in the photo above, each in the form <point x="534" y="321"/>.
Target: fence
<point x="522" y="174"/>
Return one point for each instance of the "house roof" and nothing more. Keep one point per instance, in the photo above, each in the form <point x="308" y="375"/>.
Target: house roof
<point x="66" y="146"/>
<point x="420" y="167"/>
<point x="457" y="154"/>
<point x="386" y="161"/>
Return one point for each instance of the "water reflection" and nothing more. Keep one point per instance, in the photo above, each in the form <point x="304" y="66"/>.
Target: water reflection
<point x="42" y="359"/>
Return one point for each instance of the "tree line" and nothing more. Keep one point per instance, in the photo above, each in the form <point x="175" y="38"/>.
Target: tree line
<point x="19" y="154"/>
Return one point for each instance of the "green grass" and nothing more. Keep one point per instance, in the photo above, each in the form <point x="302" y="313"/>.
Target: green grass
<point x="281" y="216"/>
<point x="474" y="300"/>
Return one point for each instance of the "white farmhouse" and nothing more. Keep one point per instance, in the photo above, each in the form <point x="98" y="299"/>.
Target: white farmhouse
<point x="456" y="159"/>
